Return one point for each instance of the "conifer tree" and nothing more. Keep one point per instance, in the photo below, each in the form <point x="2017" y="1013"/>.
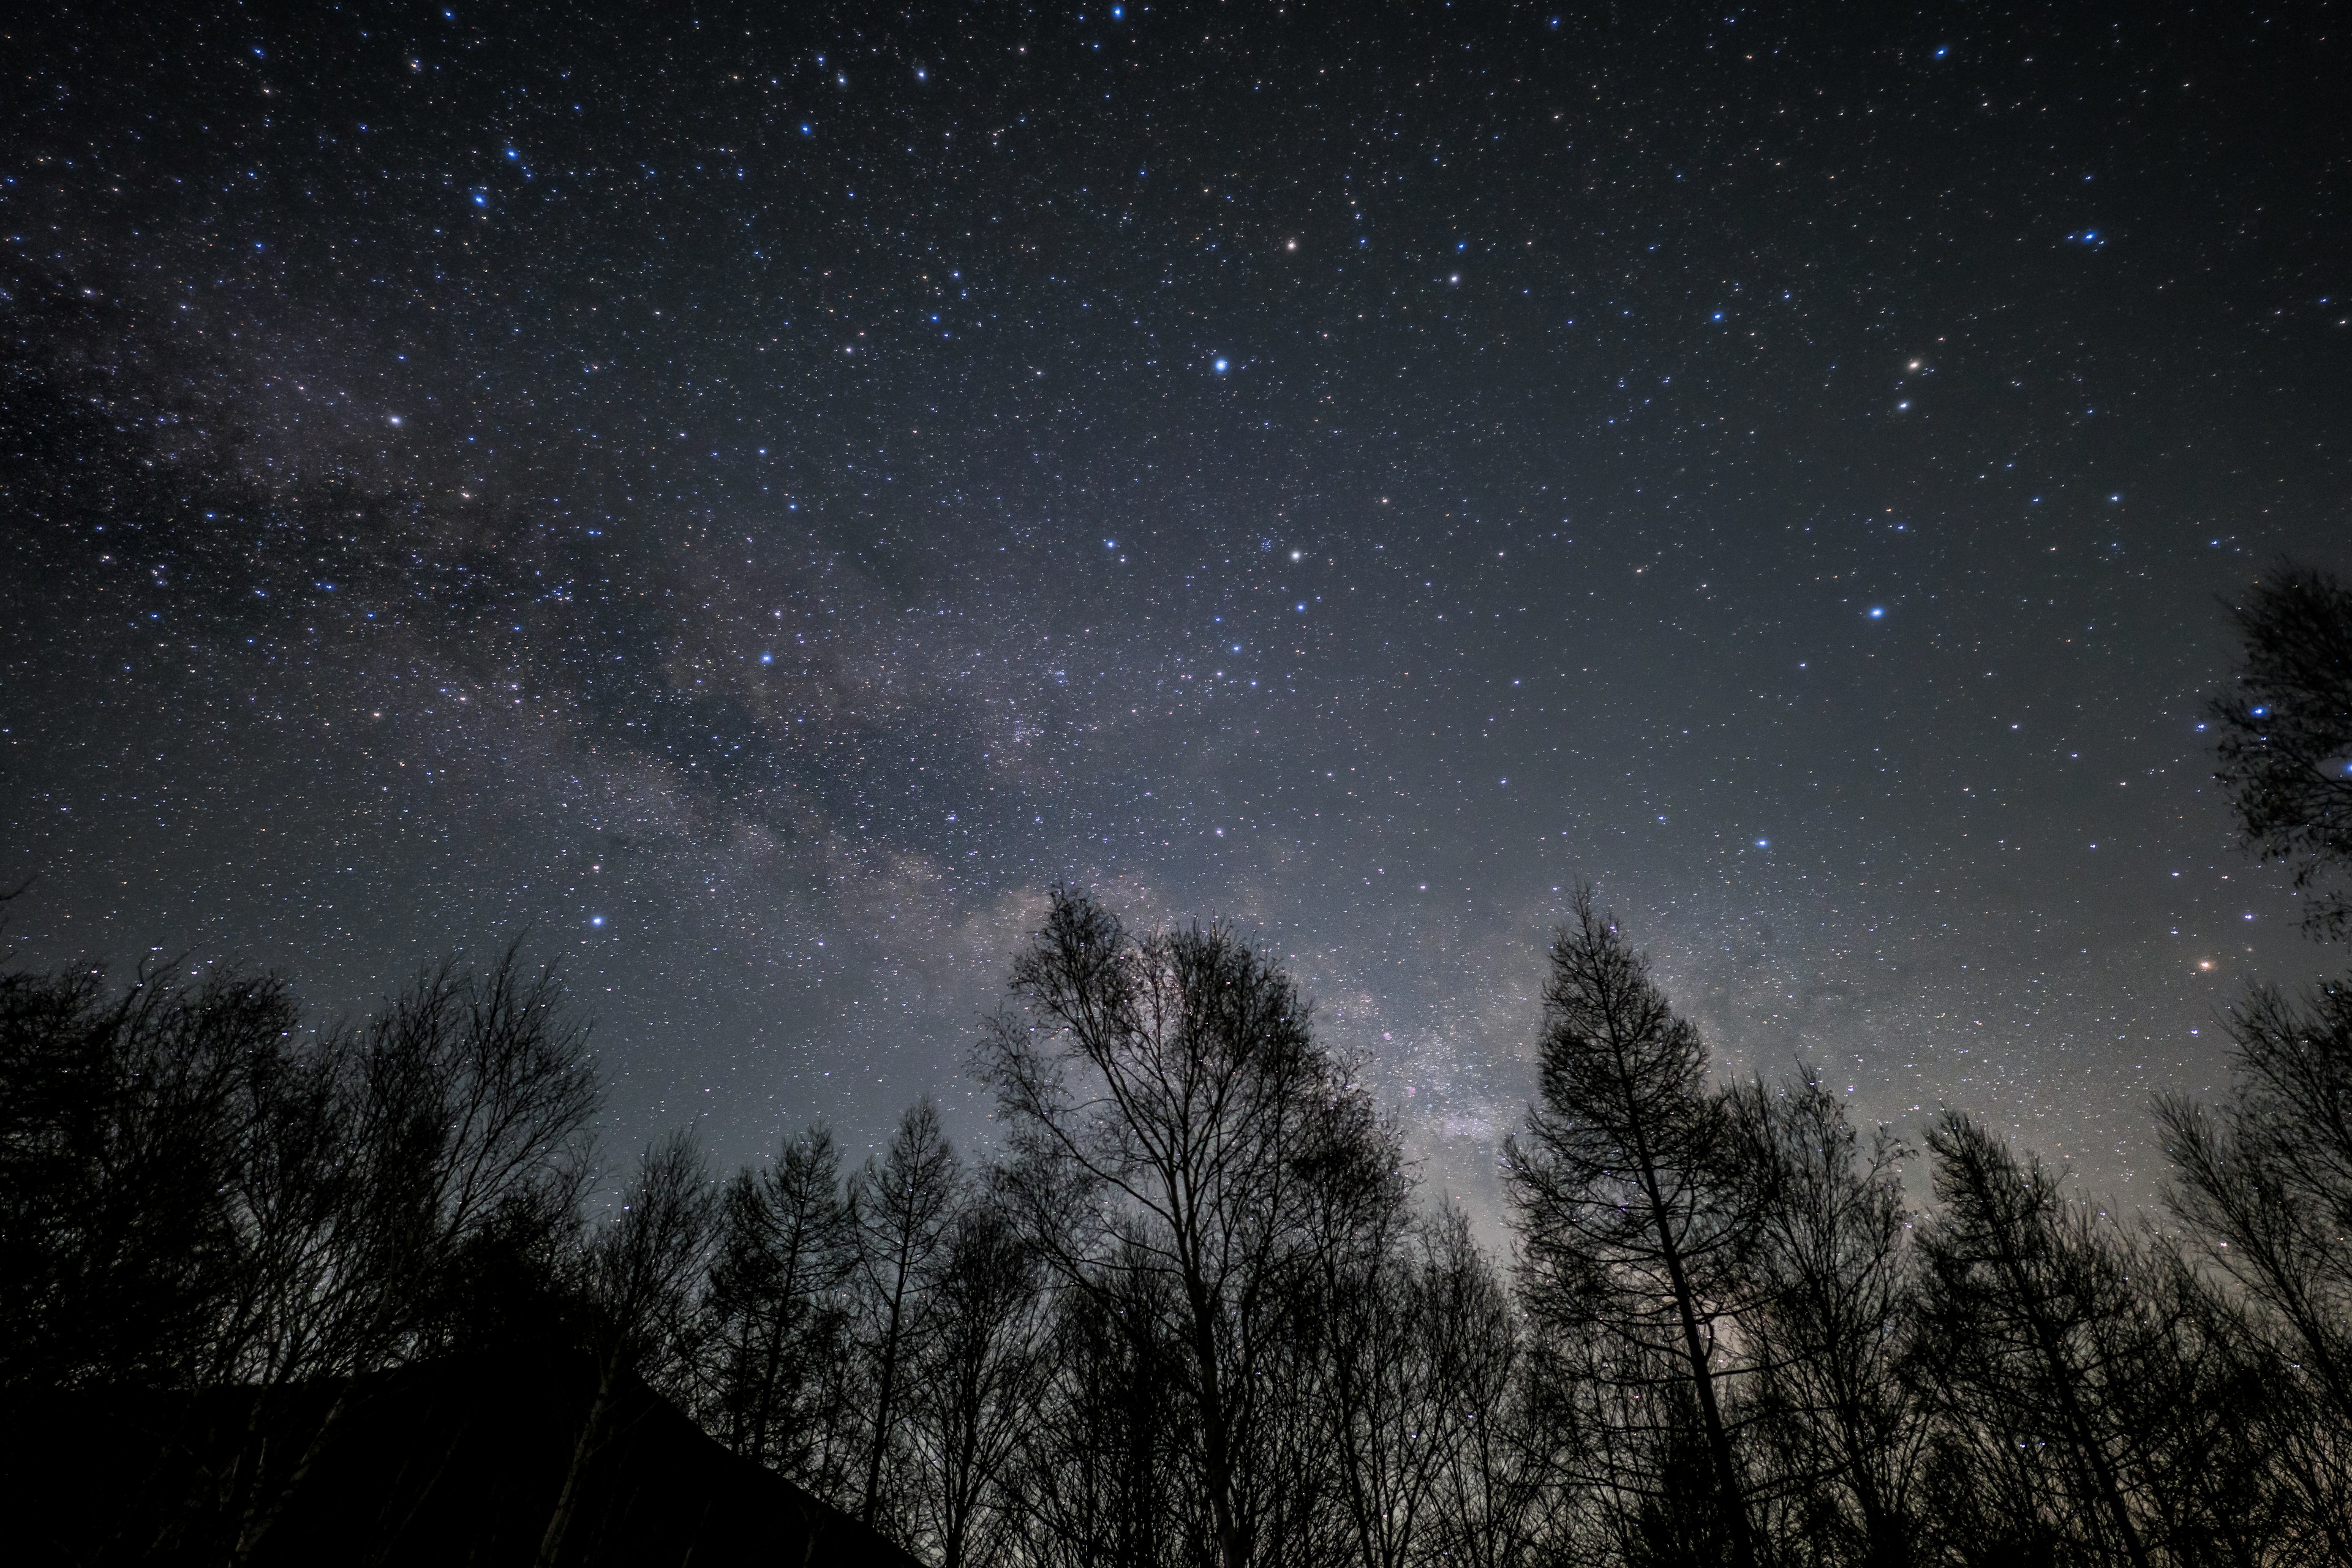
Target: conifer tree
<point x="1631" y="1213"/>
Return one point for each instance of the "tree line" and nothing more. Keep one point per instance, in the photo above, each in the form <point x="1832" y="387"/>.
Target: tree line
<point x="1193" y="1309"/>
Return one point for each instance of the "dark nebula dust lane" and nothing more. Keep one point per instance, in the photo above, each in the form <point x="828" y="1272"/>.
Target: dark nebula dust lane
<point x="748" y="502"/>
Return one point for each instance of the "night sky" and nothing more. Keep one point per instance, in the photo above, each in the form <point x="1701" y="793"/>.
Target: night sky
<point x="747" y="502"/>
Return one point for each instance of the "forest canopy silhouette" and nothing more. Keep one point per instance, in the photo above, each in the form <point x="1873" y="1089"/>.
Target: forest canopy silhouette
<point x="1192" y="1308"/>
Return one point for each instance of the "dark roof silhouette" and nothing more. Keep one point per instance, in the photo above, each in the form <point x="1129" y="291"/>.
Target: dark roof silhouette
<point x="455" y="1462"/>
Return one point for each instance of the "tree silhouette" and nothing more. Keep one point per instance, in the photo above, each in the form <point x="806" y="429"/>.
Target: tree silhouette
<point x="637" y="1288"/>
<point x="1198" y="1314"/>
<point x="1831" y="1280"/>
<point x="2029" y="1310"/>
<point x="982" y="1371"/>
<point x="2264" y="1182"/>
<point x="125" y="1123"/>
<point x="778" y="1322"/>
<point x="2285" y="740"/>
<point x="1173" y="1114"/>
<point x="1627" y="1194"/>
<point x="901" y="1208"/>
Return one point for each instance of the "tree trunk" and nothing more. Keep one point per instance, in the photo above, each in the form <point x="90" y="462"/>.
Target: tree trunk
<point x="1216" y="1434"/>
<point x="882" y="1402"/>
<point x="1719" y="1441"/>
<point x="567" y="1501"/>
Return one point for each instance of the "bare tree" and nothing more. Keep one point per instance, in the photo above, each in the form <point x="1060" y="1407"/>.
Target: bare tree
<point x="1096" y="1477"/>
<point x="2285" y="735"/>
<point x="471" y="1140"/>
<point x="1413" y="1410"/>
<point x="2268" y="1179"/>
<point x="1170" y="1110"/>
<point x="125" y="1124"/>
<point x="404" y="1183"/>
<point x="2032" y="1316"/>
<point x="2264" y="1182"/>
<point x="1629" y="1217"/>
<point x="639" y="1280"/>
<point x="1490" y="1488"/>
<point x="1832" y="1285"/>
<point x="2241" y="1463"/>
<point x="983" y="1374"/>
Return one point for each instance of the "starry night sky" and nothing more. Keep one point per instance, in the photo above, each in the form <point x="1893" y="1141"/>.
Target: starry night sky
<point x="746" y="501"/>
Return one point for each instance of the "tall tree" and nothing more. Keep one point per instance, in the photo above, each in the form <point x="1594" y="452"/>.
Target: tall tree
<point x="2267" y="1178"/>
<point x="1171" y="1109"/>
<point x="902" y="1206"/>
<point x="2032" y="1311"/>
<point x="1631" y="1215"/>
<point x="1416" y="1352"/>
<point x="784" y="1252"/>
<point x="1097" y="1472"/>
<point x="456" y="1143"/>
<point x="2285" y="735"/>
<point x="408" y="1186"/>
<point x="1831" y="1286"/>
<point x="1489" y="1490"/>
<point x="2264" y="1183"/>
<point x="639" y="1281"/>
<point x="983" y="1371"/>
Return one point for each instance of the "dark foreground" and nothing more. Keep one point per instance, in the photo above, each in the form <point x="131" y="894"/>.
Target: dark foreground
<point x="455" y="1462"/>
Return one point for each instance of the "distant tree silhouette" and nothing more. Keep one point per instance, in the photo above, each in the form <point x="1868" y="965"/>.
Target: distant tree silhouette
<point x="1631" y="1211"/>
<point x="1490" y="1487"/>
<point x="1410" y="1405"/>
<point x="2269" y="1175"/>
<point x="2241" y="1464"/>
<point x="193" y="1191"/>
<point x="2285" y="735"/>
<point x="2265" y="1181"/>
<point x="1197" y="1315"/>
<point x="409" y="1186"/>
<point x="1098" y="1472"/>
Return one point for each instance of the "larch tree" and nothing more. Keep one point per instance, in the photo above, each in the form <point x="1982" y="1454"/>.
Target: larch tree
<point x="902" y="1209"/>
<point x="2030" y="1307"/>
<point x="1631" y="1214"/>
<point x="777" y="1318"/>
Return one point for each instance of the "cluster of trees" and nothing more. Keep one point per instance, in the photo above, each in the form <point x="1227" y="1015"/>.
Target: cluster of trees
<point x="1193" y="1312"/>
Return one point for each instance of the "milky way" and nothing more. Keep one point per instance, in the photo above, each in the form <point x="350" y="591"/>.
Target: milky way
<point x="747" y="506"/>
